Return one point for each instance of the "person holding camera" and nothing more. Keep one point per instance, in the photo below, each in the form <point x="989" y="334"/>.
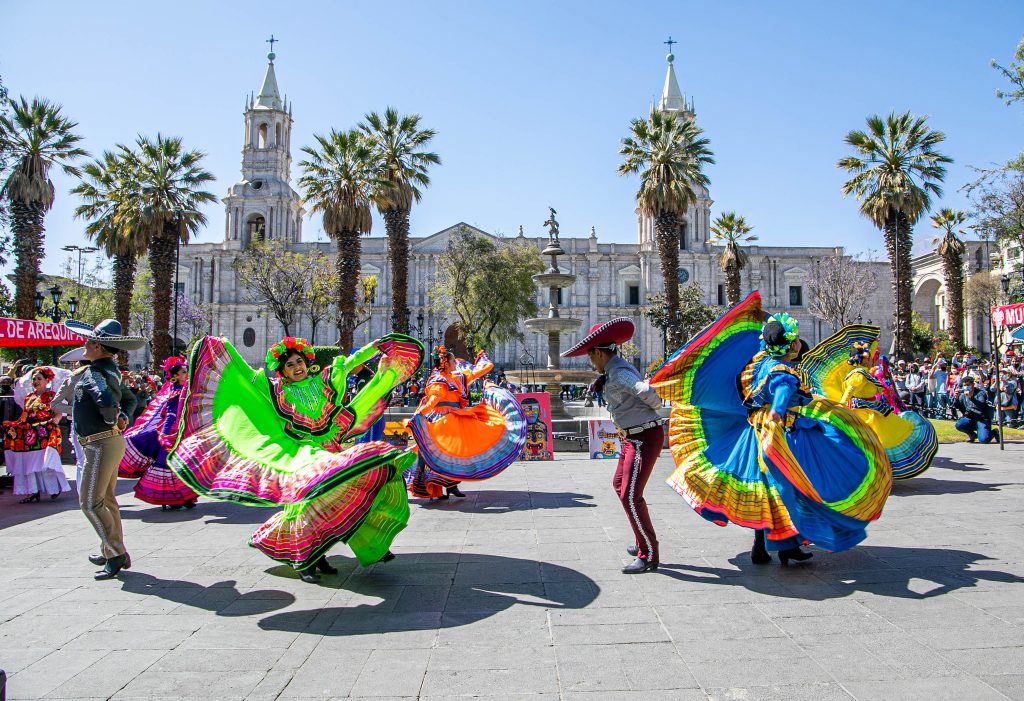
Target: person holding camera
<point x="972" y="403"/>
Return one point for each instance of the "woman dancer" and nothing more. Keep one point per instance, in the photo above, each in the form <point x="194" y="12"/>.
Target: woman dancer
<point x="146" y="444"/>
<point x="458" y="442"/>
<point x="32" y="442"/>
<point x="752" y="447"/>
<point x="278" y="439"/>
<point x="909" y="439"/>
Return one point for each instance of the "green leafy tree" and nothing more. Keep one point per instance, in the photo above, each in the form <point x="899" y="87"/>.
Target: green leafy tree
<point x="693" y="313"/>
<point x="322" y="287"/>
<point x="1014" y="73"/>
<point x="670" y="156"/>
<point x="922" y="336"/>
<point x="397" y="144"/>
<point x="950" y="248"/>
<point x="339" y="178"/>
<point x="731" y="230"/>
<point x="165" y="199"/>
<point x="36" y="137"/>
<point x="896" y="168"/>
<point x="488" y="286"/>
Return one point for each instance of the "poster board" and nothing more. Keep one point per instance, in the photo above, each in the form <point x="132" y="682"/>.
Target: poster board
<point x="539" y="441"/>
<point x="397" y="434"/>
<point x="25" y="333"/>
<point x="605" y="443"/>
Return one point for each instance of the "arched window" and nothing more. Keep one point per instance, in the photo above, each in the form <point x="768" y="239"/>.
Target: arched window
<point x="255" y="229"/>
<point x="249" y="338"/>
<point x="682" y="236"/>
<point x="261" y="141"/>
<point x="277" y="134"/>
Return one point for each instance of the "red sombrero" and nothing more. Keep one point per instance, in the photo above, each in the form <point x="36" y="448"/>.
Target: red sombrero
<point x="616" y="331"/>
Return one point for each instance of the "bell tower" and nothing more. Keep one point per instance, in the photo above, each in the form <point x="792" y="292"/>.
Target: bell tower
<point x="263" y="205"/>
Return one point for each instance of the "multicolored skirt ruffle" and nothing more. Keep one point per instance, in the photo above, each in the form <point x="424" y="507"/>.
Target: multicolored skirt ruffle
<point x="822" y="477"/>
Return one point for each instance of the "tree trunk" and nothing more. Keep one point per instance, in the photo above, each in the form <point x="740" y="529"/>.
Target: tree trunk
<point x="732" y="285"/>
<point x="396" y="221"/>
<point x="312" y="334"/>
<point x="347" y="265"/>
<point x="953" y="269"/>
<point x="27" y="226"/>
<point x="161" y="264"/>
<point x="124" y="283"/>
<point x="666" y="234"/>
<point x="898" y="243"/>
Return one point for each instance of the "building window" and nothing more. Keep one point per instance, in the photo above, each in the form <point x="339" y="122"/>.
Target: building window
<point x="261" y="141"/>
<point x="721" y="295"/>
<point x="277" y="134"/>
<point x="633" y="295"/>
<point x="682" y="236"/>
<point x="249" y="338"/>
<point x="180" y="288"/>
<point x="560" y="302"/>
<point x="796" y="295"/>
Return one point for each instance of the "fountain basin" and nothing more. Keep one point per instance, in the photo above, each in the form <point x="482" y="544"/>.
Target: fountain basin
<point x="554" y="279"/>
<point x="558" y="324"/>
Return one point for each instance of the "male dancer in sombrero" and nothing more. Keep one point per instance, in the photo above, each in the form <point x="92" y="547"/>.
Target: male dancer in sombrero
<point x="632" y="404"/>
<point x="98" y="421"/>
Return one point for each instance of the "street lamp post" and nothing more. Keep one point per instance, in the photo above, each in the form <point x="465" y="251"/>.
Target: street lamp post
<point x="70" y="248"/>
<point x="1004" y="283"/>
<point x="177" y="253"/>
<point x="55" y="312"/>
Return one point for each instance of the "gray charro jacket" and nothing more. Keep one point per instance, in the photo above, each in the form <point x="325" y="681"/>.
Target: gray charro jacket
<point x="631" y="401"/>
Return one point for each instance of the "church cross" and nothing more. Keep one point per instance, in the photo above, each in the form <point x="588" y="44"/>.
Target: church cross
<point x="272" y="41"/>
<point x="670" y="42"/>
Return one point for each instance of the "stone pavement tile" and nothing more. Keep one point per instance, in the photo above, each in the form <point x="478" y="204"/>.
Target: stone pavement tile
<point x="46" y="674"/>
<point x="1011" y="685"/>
<point x="823" y="625"/>
<point x="925" y="689"/>
<point x="423" y="598"/>
<point x="489" y="657"/>
<point x="326" y="673"/>
<point x="764" y="671"/>
<point x="211" y="685"/>
<point x="271" y="686"/>
<point x="137" y="622"/>
<point x="392" y="673"/>
<point x="1001" y="634"/>
<point x="603" y="616"/>
<point x="34" y="630"/>
<point x="107" y="676"/>
<point x="1009" y="614"/>
<point x="696" y="651"/>
<point x="217" y="660"/>
<point x="990" y="661"/>
<point x="128" y="640"/>
<point x="931" y="613"/>
<point x="812" y="691"/>
<point x="485" y="694"/>
<point x="28" y="599"/>
<point x="611" y="634"/>
<point x="489" y="682"/>
<point x="909" y="657"/>
<point x="590" y="668"/>
<point x="674" y="695"/>
<point x="846" y="658"/>
<point x="655" y="666"/>
<point x="739" y="620"/>
<point x="15" y="659"/>
<point x="520" y="625"/>
<point x="238" y="634"/>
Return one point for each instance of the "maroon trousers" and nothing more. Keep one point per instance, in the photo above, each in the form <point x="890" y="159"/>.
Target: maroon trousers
<point x="636" y="462"/>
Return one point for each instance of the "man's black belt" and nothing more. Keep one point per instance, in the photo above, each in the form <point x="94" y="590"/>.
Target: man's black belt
<point x="633" y="430"/>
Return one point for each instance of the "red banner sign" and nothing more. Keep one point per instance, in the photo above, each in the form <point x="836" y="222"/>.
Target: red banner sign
<point x="22" y="333"/>
<point x="1009" y="315"/>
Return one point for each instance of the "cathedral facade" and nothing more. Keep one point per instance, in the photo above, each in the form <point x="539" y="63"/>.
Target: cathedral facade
<point x="612" y="279"/>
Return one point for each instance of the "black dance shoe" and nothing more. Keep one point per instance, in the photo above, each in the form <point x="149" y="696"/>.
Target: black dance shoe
<point x="795" y="554"/>
<point x="324" y="566"/>
<point x="190" y="504"/>
<point x="309" y="576"/>
<point x="639" y="566"/>
<point x="113" y="566"/>
<point x="30" y="499"/>
<point x="632" y="551"/>
<point x="387" y="557"/>
<point x="98" y="560"/>
<point x="759" y="553"/>
<point x="454" y="491"/>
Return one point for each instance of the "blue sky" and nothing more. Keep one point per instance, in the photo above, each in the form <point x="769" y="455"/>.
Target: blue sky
<point x="530" y="99"/>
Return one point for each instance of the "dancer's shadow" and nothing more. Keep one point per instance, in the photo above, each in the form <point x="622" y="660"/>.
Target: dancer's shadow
<point x="950" y="464"/>
<point x="223" y="598"/>
<point x="883" y="570"/>
<point x="437" y="590"/>
<point x="931" y="485"/>
<point x="219" y="512"/>
<point x="491" y="501"/>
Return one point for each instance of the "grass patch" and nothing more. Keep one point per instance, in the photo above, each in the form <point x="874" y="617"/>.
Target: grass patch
<point x="948" y="434"/>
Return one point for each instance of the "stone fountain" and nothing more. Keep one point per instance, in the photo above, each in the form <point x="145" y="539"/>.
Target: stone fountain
<point x="554" y="325"/>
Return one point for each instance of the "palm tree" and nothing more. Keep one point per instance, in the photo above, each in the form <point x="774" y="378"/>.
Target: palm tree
<point x="951" y="249"/>
<point x="105" y="191"/>
<point x="36" y="136"/>
<point x="402" y="170"/>
<point x="339" y="177"/>
<point x="164" y="198"/>
<point x="732" y="230"/>
<point x="669" y="155"/>
<point x="896" y="170"/>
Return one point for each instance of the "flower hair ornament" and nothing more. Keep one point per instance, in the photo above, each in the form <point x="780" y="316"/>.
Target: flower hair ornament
<point x="172" y="364"/>
<point x="778" y="333"/>
<point x="46" y="372"/>
<point x="280" y="350"/>
<point x="859" y="352"/>
<point x="439" y="352"/>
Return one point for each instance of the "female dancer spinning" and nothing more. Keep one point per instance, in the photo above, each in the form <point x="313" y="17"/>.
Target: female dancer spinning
<point x="32" y="442"/>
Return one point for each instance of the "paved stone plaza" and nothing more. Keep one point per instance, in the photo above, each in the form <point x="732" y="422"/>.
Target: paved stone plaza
<point x="515" y="592"/>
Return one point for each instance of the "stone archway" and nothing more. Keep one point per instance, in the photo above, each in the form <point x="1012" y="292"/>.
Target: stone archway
<point x="928" y="302"/>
